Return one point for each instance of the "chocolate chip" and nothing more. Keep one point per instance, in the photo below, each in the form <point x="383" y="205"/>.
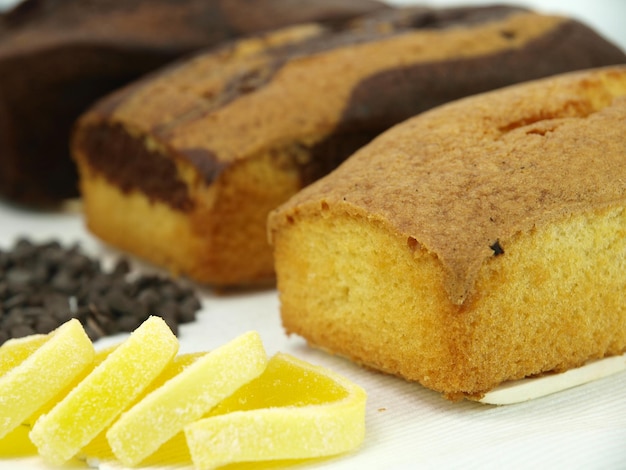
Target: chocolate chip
<point x="19" y="331"/>
<point x="497" y="248"/>
<point x="13" y="319"/>
<point x="45" y="324"/>
<point x="127" y="323"/>
<point x="64" y="282"/>
<point x="44" y="285"/>
<point x="57" y="305"/>
<point x="93" y="330"/>
<point x="33" y="313"/>
<point x="16" y="300"/>
<point x="170" y="291"/>
<point x="148" y="297"/>
<point x="188" y="308"/>
<point x="122" y="267"/>
<point x="19" y="276"/>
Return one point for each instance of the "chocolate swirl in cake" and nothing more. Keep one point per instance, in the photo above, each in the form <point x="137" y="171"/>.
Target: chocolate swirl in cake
<point x="378" y="101"/>
<point x="247" y="125"/>
<point x="58" y="56"/>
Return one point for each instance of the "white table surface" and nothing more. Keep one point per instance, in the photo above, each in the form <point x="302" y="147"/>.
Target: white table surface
<point x="407" y="425"/>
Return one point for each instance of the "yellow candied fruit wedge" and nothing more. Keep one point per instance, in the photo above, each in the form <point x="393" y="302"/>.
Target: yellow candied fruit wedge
<point x="99" y="449"/>
<point x="37" y="379"/>
<point x="14" y="351"/>
<point x="100" y="356"/>
<point x="109" y="389"/>
<point x="16" y="444"/>
<point x="175" y="367"/>
<point x="294" y="410"/>
<point x="185" y="398"/>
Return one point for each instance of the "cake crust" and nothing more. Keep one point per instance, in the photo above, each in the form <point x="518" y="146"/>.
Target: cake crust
<point x="476" y="243"/>
<point x="530" y="133"/>
<point x="243" y="127"/>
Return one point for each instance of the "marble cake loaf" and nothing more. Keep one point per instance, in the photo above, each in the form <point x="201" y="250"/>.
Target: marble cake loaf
<point x="58" y="56"/>
<point x="184" y="167"/>
<point x="479" y="242"/>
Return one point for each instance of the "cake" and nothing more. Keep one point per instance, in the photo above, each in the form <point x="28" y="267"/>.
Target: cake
<point x="183" y="167"/>
<point x="477" y="243"/>
<point x="58" y="56"/>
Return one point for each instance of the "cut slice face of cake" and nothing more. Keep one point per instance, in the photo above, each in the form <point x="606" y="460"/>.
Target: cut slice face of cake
<point x="182" y="168"/>
<point x="480" y="242"/>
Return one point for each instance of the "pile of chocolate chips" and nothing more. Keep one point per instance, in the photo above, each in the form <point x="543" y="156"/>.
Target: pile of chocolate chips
<point x="44" y="285"/>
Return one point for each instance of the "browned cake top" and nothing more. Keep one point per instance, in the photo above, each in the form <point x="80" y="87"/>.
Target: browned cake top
<point x="464" y="178"/>
<point x="310" y="82"/>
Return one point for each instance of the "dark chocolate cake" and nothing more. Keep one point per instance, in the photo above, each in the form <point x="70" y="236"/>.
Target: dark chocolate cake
<point x="58" y="56"/>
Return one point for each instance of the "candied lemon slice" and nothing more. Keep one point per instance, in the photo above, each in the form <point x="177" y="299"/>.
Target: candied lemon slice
<point x="45" y="372"/>
<point x="14" y="351"/>
<point x="186" y="398"/>
<point x="175" y="367"/>
<point x="99" y="357"/>
<point x="16" y="444"/>
<point x="110" y="388"/>
<point x="294" y="410"/>
<point x="99" y="450"/>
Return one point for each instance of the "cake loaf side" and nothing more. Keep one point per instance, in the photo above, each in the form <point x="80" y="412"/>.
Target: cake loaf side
<point x="203" y="151"/>
<point x="58" y="56"/>
<point x="479" y="242"/>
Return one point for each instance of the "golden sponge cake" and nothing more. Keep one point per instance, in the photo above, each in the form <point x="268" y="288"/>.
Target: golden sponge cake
<point x="480" y="242"/>
<point x="182" y="168"/>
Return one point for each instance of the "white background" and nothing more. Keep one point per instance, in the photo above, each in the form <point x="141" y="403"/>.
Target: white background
<point x="606" y="16"/>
